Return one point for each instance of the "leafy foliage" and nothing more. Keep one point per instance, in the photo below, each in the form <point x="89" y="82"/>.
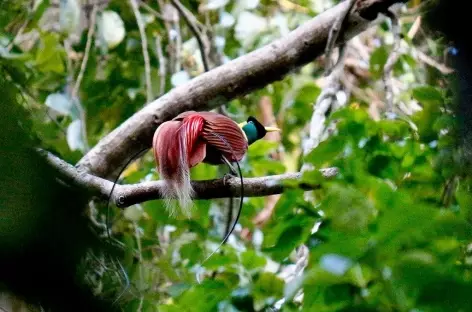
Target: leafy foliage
<point x="391" y="232"/>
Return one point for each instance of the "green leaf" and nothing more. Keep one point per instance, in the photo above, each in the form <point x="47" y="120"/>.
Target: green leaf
<point x="49" y="56"/>
<point x="242" y="299"/>
<point x="427" y="94"/>
<point x="251" y="260"/>
<point x="377" y="61"/>
<point x="282" y="237"/>
<point x="205" y="296"/>
<point x="307" y="95"/>
<point x="262" y="148"/>
<point x="313" y="177"/>
<point x="192" y="252"/>
<point x="177" y="289"/>
<point x="347" y="209"/>
<point x="326" y="152"/>
<point x="268" y="286"/>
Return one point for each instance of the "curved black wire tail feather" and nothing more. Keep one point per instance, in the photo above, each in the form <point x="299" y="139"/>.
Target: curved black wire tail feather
<point x="107" y="220"/>
<point x="228" y="234"/>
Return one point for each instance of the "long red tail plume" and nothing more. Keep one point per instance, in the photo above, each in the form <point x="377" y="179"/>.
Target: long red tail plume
<point x="177" y="148"/>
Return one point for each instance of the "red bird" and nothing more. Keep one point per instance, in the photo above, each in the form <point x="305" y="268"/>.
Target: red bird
<point x="195" y="137"/>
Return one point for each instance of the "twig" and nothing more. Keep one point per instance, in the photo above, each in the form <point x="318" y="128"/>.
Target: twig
<point x="203" y="46"/>
<point x="167" y="12"/>
<point x="88" y="46"/>
<point x="336" y="29"/>
<point x="324" y="104"/>
<point x="144" y="45"/>
<point x="130" y="194"/>
<point x="178" y="47"/>
<point x="433" y="63"/>
<point x="151" y="10"/>
<point x="162" y="65"/>
<point x="83" y="122"/>
<point x="415" y="27"/>
<point x="392" y="59"/>
<point x="19" y="33"/>
<point x="141" y="267"/>
<point x="80" y="76"/>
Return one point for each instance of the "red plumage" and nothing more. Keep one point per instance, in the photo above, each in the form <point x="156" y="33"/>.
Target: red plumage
<point x="189" y="139"/>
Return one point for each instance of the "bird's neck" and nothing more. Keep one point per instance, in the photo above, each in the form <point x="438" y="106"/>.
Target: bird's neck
<point x="250" y="131"/>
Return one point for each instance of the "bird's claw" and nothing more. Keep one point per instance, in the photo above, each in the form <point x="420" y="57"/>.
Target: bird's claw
<point x="228" y="176"/>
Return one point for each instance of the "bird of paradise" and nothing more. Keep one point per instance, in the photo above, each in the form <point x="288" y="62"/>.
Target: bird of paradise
<point x="195" y="137"/>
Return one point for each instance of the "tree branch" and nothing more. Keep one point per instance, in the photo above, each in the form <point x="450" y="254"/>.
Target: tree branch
<point x="129" y="194"/>
<point x="236" y="78"/>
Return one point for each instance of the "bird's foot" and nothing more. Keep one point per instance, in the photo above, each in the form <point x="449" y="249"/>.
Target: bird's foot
<point x="228" y="176"/>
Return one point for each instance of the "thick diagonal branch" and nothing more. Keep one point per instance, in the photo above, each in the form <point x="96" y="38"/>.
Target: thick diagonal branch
<point x="233" y="79"/>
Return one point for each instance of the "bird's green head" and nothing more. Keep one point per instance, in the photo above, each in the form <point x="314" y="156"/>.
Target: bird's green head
<point x="254" y="130"/>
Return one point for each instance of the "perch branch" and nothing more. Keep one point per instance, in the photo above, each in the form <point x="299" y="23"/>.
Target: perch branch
<point x="230" y="80"/>
<point x="129" y="194"/>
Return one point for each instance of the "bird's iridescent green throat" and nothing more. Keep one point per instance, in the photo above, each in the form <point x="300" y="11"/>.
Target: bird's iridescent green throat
<point x="254" y="130"/>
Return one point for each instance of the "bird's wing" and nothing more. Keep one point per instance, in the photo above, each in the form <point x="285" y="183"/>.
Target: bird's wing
<point x="224" y="135"/>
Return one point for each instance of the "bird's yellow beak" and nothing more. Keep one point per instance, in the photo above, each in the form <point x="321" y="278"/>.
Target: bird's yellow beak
<point x="271" y="129"/>
<point x="268" y="129"/>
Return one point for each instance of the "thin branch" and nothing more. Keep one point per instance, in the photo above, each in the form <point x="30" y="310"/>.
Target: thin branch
<point x="170" y="17"/>
<point x="18" y="34"/>
<point x="178" y="46"/>
<point x="151" y="10"/>
<point x="144" y="45"/>
<point x="334" y="32"/>
<point x="392" y="59"/>
<point x="444" y="69"/>
<point x="80" y="76"/>
<point x="189" y="19"/>
<point x="324" y="104"/>
<point x="88" y="45"/>
<point x="162" y="65"/>
<point x="228" y="81"/>
<point x="130" y="194"/>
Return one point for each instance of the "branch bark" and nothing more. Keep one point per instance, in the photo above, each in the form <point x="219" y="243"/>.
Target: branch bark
<point x="236" y="78"/>
<point x="129" y="194"/>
